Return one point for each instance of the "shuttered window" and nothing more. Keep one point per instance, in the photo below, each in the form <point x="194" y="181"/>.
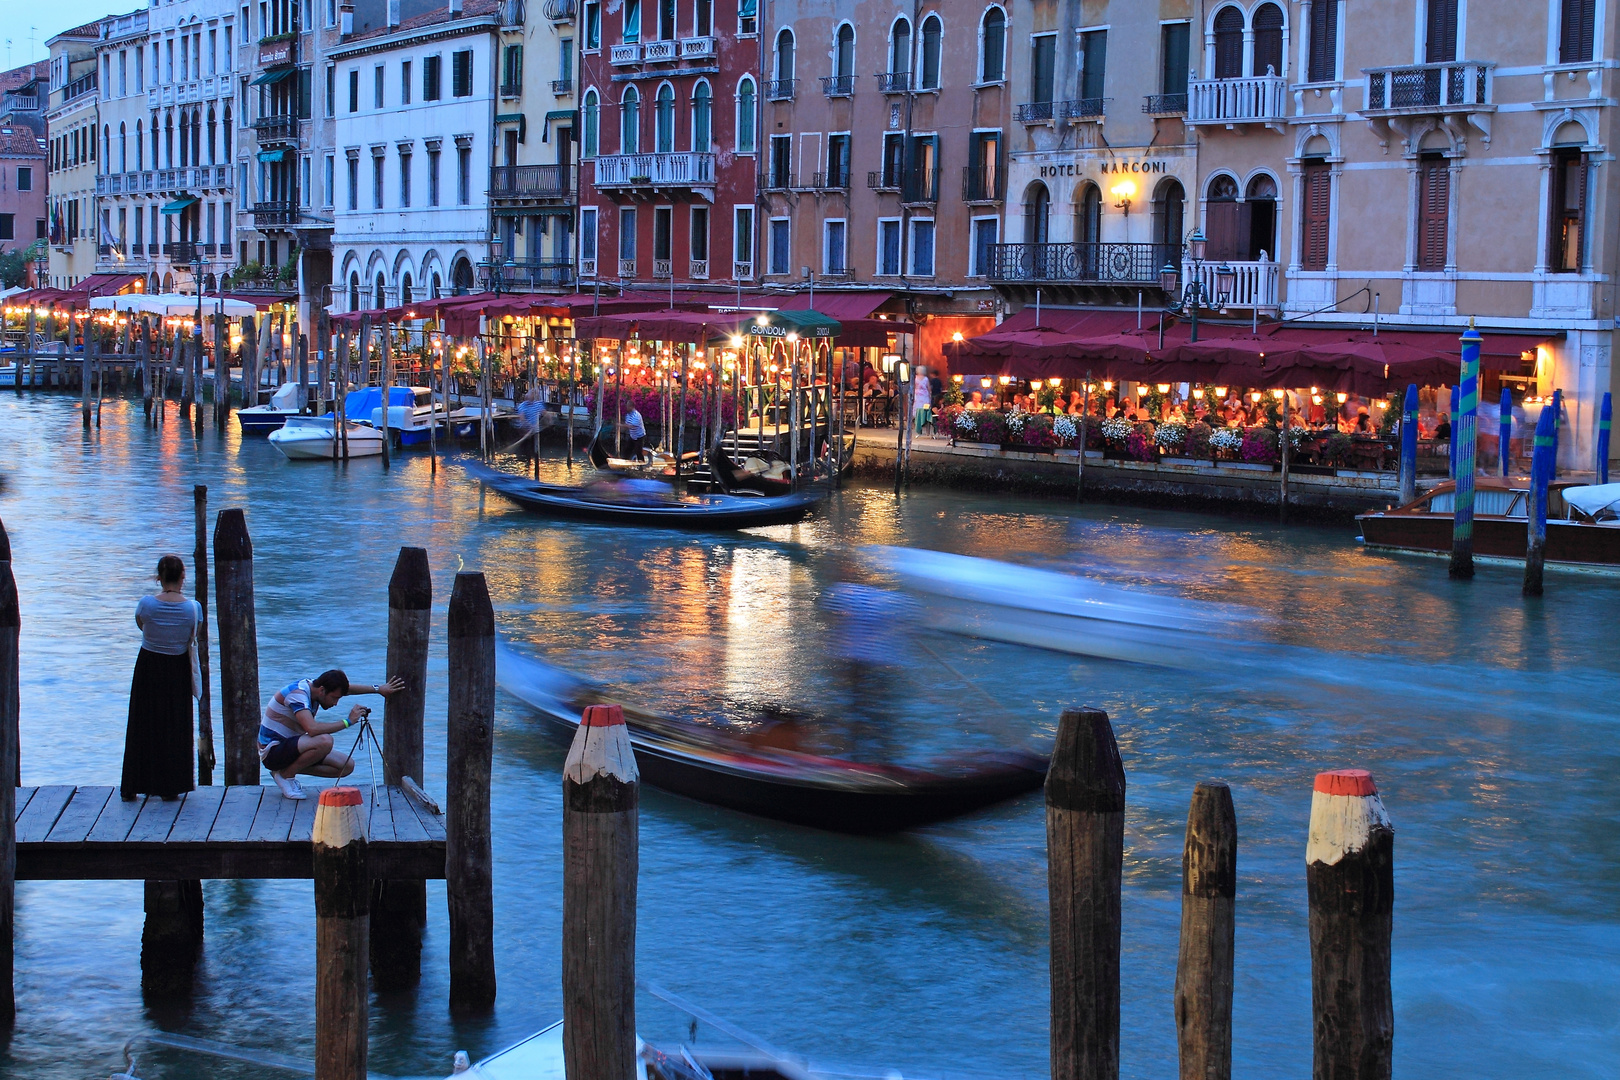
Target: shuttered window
<point x="1324" y="63"/>
<point x="1434" y="207"/>
<point x="1173" y="79"/>
<point x="1268" y="40"/>
<point x="1566" y="244"/>
<point x="1575" y="33"/>
<point x="1229" y="43"/>
<point x="1316" y="216"/>
<point x="1441" y="47"/>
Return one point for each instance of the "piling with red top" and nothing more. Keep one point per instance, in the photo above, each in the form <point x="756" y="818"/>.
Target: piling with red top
<point x="1350" y="880"/>
<point x="601" y="796"/>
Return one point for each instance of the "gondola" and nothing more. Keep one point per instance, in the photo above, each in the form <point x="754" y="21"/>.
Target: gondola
<point x="648" y="503"/>
<point x="744" y="771"/>
<point x="657" y="463"/>
<point x="754" y="474"/>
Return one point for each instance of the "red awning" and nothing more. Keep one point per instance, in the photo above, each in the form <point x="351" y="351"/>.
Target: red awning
<point x="105" y="284"/>
<point x="843" y="306"/>
<point x="867" y="333"/>
<point x="690" y="327"/>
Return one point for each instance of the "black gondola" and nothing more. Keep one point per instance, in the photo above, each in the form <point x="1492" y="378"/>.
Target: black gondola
<point x="702" y="762"/>
<point x="618" y="503"/>
<point x="767" y="477"/>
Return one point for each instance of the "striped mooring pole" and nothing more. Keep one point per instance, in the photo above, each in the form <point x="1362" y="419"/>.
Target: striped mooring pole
<point x="1409" y="441"/>
<point x="1463" y="438"/>
<point x="1541" y="472"/>
<point x="1604" y="417"/>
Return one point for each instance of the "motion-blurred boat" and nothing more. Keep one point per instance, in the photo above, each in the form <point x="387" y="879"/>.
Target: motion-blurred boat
<point x="1583" y="528"/>
<point x="1001" y="601"/>
<point x="647" y="502"/>
<point x="314" y="438"/>
<point x="745" y="771"/>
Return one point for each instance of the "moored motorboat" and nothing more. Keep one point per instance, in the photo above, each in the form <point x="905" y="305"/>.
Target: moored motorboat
<point x="745" y="767"/>
<point x="648" y="502"/>
<point x="1582" y="525"/>
<point x="314" y="438"/>
<point x="263" y="419"/>
<point x="413" y="414"/>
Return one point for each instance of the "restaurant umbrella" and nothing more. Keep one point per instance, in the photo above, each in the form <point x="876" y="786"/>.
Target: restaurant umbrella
<point x="1602" y="439"/>
<point x="1409" y="436"/>
<point x="1504" y="428"/>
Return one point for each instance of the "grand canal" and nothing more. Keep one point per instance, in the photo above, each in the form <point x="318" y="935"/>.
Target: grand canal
<point x="1489" y="723"/>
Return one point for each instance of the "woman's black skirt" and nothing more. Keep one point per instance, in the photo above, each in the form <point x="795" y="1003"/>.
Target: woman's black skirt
<point x="158" y="744"/>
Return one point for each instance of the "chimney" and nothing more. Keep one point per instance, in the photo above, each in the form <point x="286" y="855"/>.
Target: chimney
<point x="455" y="8"/>
<point x="346" y="19"/>
<point x="393" y="14"/>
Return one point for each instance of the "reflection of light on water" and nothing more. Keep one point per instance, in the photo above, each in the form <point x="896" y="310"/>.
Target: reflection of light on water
<point x="760" y="642"/>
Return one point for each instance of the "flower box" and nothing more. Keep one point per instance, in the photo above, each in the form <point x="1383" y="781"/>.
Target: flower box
<point x="978" y="445"/>
<point x="1197" y="463"/>
<point x="1068" y="453"/>
<point x="1250" y="466"/>
<point x="1021" y="448"/>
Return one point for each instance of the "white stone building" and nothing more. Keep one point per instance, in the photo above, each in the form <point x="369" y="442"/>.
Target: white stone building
<point x="416" y="107"/>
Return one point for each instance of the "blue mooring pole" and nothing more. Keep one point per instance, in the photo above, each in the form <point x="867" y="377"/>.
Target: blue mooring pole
<point x="1504" y="428"/>
<point x="1604" y="412"/>
<point x="1558" y="423"/>
<point x="1541" y="471"/>
<point x="1456" y="405"/>
<point x="1409" y="436"/>
<point x="1463" y="436"/>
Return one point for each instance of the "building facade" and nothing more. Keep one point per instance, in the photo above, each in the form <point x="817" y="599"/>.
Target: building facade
<point x="23" y="169"/>
<point x="670" y="115"/>
<point x="73" y="135"/>
<point x="414" y="144"/>
<point x="128" y="205"/>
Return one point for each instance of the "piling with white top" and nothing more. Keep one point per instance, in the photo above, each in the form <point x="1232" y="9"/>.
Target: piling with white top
<point x="601" y="799"/>
<point x="342" y="930"/>
<point x="1350" y="879"/>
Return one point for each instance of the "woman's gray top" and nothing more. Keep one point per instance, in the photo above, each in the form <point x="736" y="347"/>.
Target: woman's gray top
<point x="165" y="627"/>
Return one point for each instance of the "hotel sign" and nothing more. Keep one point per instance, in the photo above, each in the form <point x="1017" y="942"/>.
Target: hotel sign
<point x="276" y="53"/>
<point x="1106" y="168"/>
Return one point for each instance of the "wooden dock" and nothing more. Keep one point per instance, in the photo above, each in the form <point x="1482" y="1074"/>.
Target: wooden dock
<point x="90" y="833"/>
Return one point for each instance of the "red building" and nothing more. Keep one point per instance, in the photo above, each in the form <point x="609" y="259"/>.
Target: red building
<point x="670" y="107"/>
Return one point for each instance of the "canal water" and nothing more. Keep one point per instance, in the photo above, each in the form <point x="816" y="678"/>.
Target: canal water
<point x="1488" y="722"/>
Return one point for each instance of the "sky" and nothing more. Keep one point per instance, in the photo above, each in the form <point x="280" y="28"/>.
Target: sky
<point x="21" y="18"/>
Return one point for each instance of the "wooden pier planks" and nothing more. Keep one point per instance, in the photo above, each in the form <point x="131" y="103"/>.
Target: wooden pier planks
<point x="91" y="833"/>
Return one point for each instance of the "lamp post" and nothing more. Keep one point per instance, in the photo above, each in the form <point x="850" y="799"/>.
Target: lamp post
<point x="42" y="266"/>
<point x="496" y="280"/>
<point x="1196" y="294"/>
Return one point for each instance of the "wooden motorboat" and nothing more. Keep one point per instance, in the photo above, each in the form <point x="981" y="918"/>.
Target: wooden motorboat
<point x="314" y="438"/>
<point x="648" y="502"/>
<point x="1582" y="527"/>
<point x="744" y="764"/>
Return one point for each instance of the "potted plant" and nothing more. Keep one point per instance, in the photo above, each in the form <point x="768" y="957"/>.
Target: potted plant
<point x="1225" y="442"/>
<point x="1170" y="439"/>
<point x="992" y="428"/>
<point x="1195" y="444"/>
<point x="1066" y="432"/>
<point x="1259" y="446"/>
<point x="1038" y="435"/>
<point x="1139" y="444"/>
<point x="1115" y="430"/>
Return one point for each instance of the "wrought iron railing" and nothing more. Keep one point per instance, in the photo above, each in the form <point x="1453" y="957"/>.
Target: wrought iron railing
<point x="181" y="252"/>
<point x="920" y="186"/>
<point x="562" y="86"/>
<point x="1165" y="104"/>
<point x="983" y="184"/>
<point x="833" y="178"/>
<point x="1082" y="264"/>
<point x="1428" y="86"/>
<point x="894" y="82"/>
<point x="779" y="89"/>
<point x="276" y="127"/>
<point x="279" y="212"/>
<point x="835" y="86"/>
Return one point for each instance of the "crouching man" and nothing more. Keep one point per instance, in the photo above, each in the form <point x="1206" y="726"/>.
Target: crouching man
<point x="293" y="741"/>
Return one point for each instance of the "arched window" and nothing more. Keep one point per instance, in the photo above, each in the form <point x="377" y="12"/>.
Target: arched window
<point x="227" y="156"/>
<point x="354" y="291"/>
<point x="900" y="47"/>
<point x="593" y="122"/>
<point x="1169" y="216"/>
<point x="931" y="30"/>
<point x="1229" y="43"/>
<point x="123" y="149"/>
<point x="1268" y="40"/>
<point x="993" y="46"/>
<point x="462" y="276"/>
<point x="1226" y="220"/>
<point x="745" y="116"/>
<point x="140" y="148"/>
<point x="702" y="118"/>
<point x="784" y="60"/>
<point x="1037" y="214"/>
<point x="844" y="54"/>
<point x="380" y="298"/>
<point x="405" y="289"/>
<point x="438" y="286"/>
<point x="1262" y="202"/>
<point x="213" y="137"/>
<point x="664" y="120"/>
<point x="106" y="145"/>
<point x="1088" y="215"/>
<point x="154" y="130"/>
<point x="630" y="121"/>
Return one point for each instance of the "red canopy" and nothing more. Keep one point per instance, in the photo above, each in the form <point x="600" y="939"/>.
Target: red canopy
<point x="690" y="327"/>
<point x="846" y="307"/>
<point x="104" y="284"/>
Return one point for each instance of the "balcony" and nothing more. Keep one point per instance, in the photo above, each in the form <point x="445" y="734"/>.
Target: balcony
<point x="514" y="13"/>
<point x="652" y="172"/>
<point x="663" y="269"/>
<point x="888" y="179"/>
<point x="532" y="183"/>
<point x="279" y="214"/>
<point x="920" y="187"/>
<point x="621" y="55"/>
<point x="511" y="89"/>
<point x="893" y="82"/>
<point x="587" y="268"/>
<point x="1081" y="264"/>
<point x="660" y="52"/>
<point x="537" y="274"/>
<point x="1045" y="112"/>
<point x="1462" y="87"/>
<point x="276" y="128"/>
<point x="627" y="269"/>
<point x="779" y="89"/>
<point x="22" y="103"/>
<point x="1165" y="104"/>
<point x="181" y="252"/>
<point x="698" y="48"/>
<point x="837" y="86"/>
<point x="1257" y="100"/>
<point x="558" y="11"/>
<point x="84" y="84"/>
<point x="562" y="87"/>
<point x="1254" y="288"/>
<point x="834" y="180"/>
<point x="742" y="271"/>
<point x="699" y="269"/>
<point x="983" y="184"/>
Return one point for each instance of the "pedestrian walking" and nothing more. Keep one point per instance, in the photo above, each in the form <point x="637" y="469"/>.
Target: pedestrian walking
<point x="158" y="742"/>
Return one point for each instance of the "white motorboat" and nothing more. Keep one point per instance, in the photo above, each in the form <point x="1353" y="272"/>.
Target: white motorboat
<point x="263" y="419"/>
<point x="314" y="438"/>
<point x="412" y="412"/>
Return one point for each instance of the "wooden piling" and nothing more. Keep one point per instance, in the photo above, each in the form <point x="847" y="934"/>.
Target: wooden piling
<point x="601" y="795"/>
<point x="1204" y="969"/>
<point x="385" y="379"/>
<point x="238" y="647"/>
<point x="1350" y="880"/>
<point x="205" y="715"/>
<point x="171" y="937"/>
<point x="222" y="373"/>
<point x="10" y="766"/>
<point x="84" y="379"/>
<point x="1085" y="846"/>
<point x="399" y="907"/>
<point x="342" y="930"/>
<point x="469" y="885"/>
<point x="28" y="348"/>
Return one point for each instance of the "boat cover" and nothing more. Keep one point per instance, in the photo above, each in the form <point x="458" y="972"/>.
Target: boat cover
<point x="360" y="404"/>
<point x="1592" y="499"/>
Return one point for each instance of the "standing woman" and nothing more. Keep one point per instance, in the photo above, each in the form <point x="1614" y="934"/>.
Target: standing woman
<point x="158" y="743"/>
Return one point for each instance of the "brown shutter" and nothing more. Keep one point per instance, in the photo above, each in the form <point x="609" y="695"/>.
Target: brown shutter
<point x="1324" y="41"/>
<point x="1229" y="44"/>
<point x="1224" y="223"/>
<point x="1268" y="39"/>
<point x="1434" y="204"/>
<point x="1317" y="217"/>
<point x="1442" y="38"/>
<point x="1575" y="37"/>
